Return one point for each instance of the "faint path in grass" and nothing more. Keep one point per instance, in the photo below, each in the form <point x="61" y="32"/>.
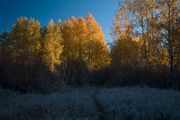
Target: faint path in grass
<point x="99" y="107"/>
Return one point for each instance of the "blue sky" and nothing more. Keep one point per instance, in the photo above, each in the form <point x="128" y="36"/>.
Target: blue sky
<point x="44" y="10"/>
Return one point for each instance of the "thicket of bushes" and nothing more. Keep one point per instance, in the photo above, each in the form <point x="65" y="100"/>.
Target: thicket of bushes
<point x="38" y="79"/>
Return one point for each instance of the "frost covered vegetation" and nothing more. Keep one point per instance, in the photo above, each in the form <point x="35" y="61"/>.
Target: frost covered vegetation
<point x="92" y="104"/>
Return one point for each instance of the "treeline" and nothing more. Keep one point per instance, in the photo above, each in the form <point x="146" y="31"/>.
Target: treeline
<point x="145" y="51"/>
<point x="59" y="54"/>
<point x="146" y="45"/>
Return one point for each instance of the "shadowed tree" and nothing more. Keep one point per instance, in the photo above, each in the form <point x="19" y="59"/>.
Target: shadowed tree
<point x="170" y="11"/>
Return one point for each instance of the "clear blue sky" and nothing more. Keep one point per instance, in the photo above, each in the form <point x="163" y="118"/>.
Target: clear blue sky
<point x="44" y="10"/>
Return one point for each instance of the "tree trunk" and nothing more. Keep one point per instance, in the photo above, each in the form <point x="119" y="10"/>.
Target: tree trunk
<point x="170" y="45"/>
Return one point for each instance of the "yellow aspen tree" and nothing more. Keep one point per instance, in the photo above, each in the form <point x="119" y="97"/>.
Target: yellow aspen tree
<point x="26" y="39"/>
<point x="52" y="45"/>
<point x="97" y="49"/>
<point x="69" y="39"/>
